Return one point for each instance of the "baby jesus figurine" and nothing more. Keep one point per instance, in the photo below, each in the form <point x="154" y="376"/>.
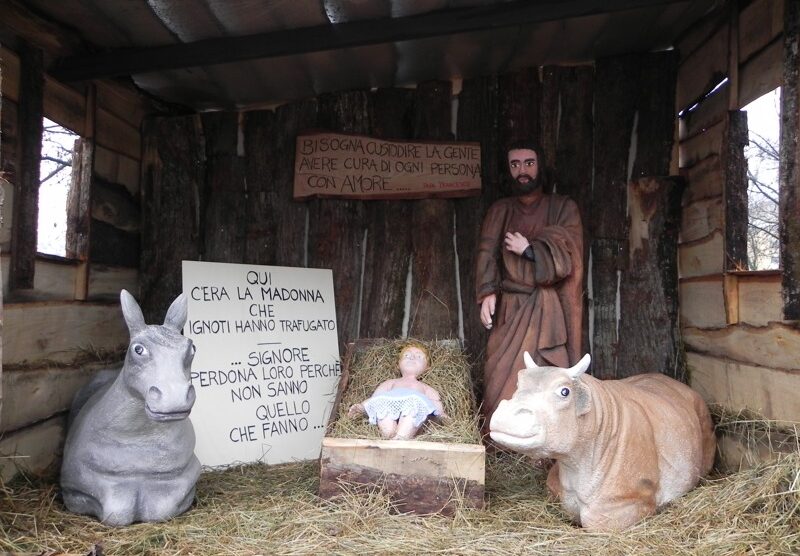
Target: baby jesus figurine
<point x="399" y="406"/>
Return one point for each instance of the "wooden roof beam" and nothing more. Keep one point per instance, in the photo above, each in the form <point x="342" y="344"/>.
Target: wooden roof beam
<point x="350" y="34"/>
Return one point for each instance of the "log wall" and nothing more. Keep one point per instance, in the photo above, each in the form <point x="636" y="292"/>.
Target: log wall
<point x="58" y="324"/>
<point x="742" y="342"/>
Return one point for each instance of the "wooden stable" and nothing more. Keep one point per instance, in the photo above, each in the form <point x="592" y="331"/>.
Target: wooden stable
<point x="660" y="196"/>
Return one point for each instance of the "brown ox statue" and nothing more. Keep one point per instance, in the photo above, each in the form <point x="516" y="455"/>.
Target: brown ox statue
<point x="622" y="447"/>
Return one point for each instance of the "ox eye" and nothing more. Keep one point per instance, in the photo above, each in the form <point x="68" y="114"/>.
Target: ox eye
<point x="564" y="392"/>
<point x="139" y="349"/>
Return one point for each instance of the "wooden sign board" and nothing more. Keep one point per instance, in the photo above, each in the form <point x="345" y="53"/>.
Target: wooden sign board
<point x="267" y="366"/>
<point x="360" y="167"/>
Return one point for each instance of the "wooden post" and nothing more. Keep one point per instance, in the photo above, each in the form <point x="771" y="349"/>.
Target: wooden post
<point x="434" y="303"/>
<point x="260" y="142"/>
<point x="789" y="165"/>
<point x="734" y="168"/>
<point x="26" y="182"/>
<point x="79" y="199"/>
<point x="388" y="251"/>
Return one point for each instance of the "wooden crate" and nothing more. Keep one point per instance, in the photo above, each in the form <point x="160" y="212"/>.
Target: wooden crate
<point x="420" y="477"/>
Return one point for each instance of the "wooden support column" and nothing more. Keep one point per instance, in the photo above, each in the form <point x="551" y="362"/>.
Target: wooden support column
<point x="478" y="106"/>
<point x="173" y="174"/>
<point x="734" y="169"/>
<point x="789" y="165"/>
<point x="79" y="198"/>
<point x="336" y="231"/>
<point x="26" y="181"/>
<point x="260" y="146"/>
<point x="225" y="210"/>
<point x="388" y="251"/>
<point x="434" y="303"/>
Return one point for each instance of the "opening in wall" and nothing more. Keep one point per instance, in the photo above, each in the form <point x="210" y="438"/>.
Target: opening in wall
<point x="55" y="182"/>
<point x="763" y="195"/>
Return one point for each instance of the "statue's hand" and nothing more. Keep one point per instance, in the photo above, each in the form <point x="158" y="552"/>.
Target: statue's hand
<point x="516" y="243"/>
<point x="487" y="310"/>
<point x="355" y="410"/>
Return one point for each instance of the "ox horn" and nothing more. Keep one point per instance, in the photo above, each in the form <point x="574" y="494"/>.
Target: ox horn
<point x="529" y="362"/>
<point x="580" y="367"/>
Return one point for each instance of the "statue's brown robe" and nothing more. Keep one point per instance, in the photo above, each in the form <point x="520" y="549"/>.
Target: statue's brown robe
<point x="540" y="303"/>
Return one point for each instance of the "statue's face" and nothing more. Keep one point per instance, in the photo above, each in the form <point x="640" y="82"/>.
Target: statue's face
<point x="413" y="362"/>
<point x="523" y="164"/>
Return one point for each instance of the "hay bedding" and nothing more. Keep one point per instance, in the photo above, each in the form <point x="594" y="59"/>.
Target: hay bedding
<point x="256" y="509"/>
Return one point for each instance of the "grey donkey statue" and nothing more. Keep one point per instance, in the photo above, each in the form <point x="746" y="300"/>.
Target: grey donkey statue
<point x="129" y="453"/>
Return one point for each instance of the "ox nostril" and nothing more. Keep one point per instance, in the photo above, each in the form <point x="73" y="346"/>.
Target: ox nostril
<point x="523" y="413"/>
<point x="190" y="395"/>
<point x="154" y="394"/>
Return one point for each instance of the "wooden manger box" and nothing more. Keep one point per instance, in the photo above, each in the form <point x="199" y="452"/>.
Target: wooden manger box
<point x="442" y="469"/>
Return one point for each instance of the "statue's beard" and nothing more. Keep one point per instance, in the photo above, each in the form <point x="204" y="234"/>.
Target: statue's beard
<point x="524" y="187"/>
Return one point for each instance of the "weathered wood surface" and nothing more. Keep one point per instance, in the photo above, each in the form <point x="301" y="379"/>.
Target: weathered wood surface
<point x="113" y="246"/>
<point x="66" y="106"/>
<point x="697" y="148"/>
<point x="615" y="112"/>
<point x="701" y="70"/>
<point x="702" y="257"/>
<point x="39" y="332"/>
<point x="55" y="279"/>
<point x="8" y="151"/>
<point x="113" y="204"/>
<point x="38" y="394"/>
<point x="9" y="65"/>
<point x="649" y="291"/>
<point x="105" y="282"/>
<point x="759" y="298"/>
<point x="290" y="215"/>
<point x="759" y="24"/>
<point x="572" y="168"/>
<point x="704" y="179"/>
<point x="762" y="73"/>
<point x="336" y="233"/>
<point x="224" y="216"/>
<point x="32" y="449"/>
<point x="710" y="111"/>
<point x="703" y="303"/>
<point x="734" y="168"/>
<point x="116" y="168"/>
<point x="420" y="477"/>
<point x="26" y="179"/>
<point x="769" y="392"/>
<point x="789" y="173"/>
<point x="478" y="107"/>
<point x="173" y="175"/>
<point x="79" y="199"/>
<point x="701" y="218"/>
<point x="260" y="139"/>
<point x="117" y="135"/>
<point x="388" y="230"/>
<point x="775" y="346"/>
<point x="434" y="300"/>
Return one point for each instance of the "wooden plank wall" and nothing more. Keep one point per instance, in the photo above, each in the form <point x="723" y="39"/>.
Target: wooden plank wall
<point x="415" y="259"/>
<point x="48" y="333"/>
<point x="739" y="350"/>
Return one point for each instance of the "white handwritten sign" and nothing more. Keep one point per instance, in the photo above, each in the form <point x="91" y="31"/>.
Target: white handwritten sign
<point x="360" y="167"/>
<point x="267" y="365"/>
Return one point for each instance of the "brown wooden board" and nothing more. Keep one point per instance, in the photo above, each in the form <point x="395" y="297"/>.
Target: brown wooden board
<point x="173" y="173"/>
<point x="655" y="126"/>
<point x="702" y="257"/>
<point x="434" y="301"/>
<point x="26" y="180"/>
<point x="388" y="249"/>
<point x="113" y="246"/>
<point x="649" y="328"/>
<point x="478" y="106"/>
<point x="762" y="73"/>
<point x="789" y="173"/>
<point x="704" y="68"/>
<point x="260" y="141"/>
<point x="573" y="164"/>
<point x="759" y="24"/>
<point x="734" y="168"/>
<point x="703" y="303"/>
<point x="290" y="215"/>
<point x="420" y="477"/>
<point x="704" y="180"/>
<point x="224" y="216"/>
<point x="616" y="88"/>
<point x="701" y="218"/>
<point x="113" y="204"/>
<point x="336" y="233"/>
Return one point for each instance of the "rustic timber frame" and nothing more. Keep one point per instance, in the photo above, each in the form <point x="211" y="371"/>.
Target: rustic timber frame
<point x="739" y="327"/>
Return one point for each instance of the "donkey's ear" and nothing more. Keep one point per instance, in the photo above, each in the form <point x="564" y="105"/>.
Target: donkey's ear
<point x="177" y="313"/>
<point x="132" y="313"/>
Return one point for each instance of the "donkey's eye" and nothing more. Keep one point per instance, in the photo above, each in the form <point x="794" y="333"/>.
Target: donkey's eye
<point x="564" y="392"/>
<point x="139" y="349"/>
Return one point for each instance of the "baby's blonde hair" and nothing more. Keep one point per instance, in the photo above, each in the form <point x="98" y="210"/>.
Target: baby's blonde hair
<point x="418" y="346"/>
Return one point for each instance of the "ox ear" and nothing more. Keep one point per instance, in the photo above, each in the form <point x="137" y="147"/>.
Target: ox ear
<point x="177" y="313"/>
<point x="580" y="367"/>
<point x="529" y="362"/>
<point x="132" y="313"/>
